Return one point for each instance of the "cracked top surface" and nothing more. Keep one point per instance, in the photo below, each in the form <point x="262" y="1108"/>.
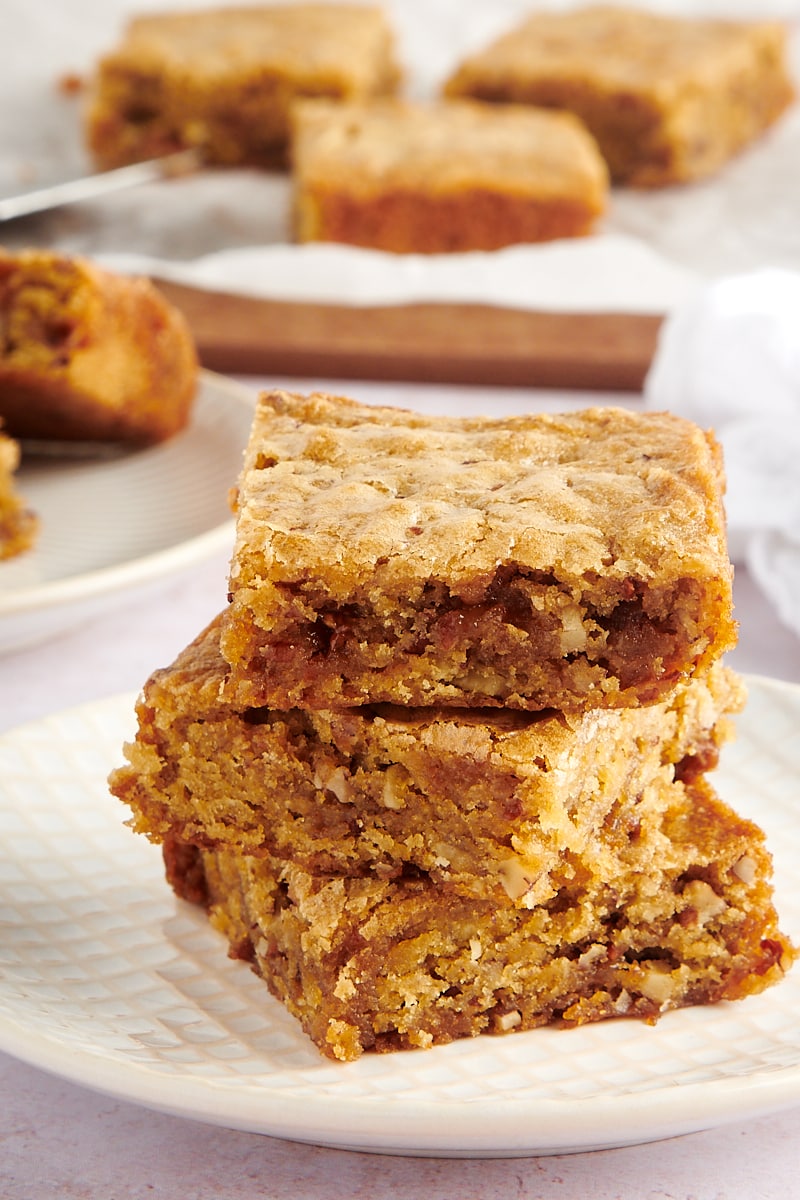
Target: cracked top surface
<point x="611" y="46"/>
<point x="368" y="148"/>
<point x="344" y="41"/>
<point x="359" y="496"/>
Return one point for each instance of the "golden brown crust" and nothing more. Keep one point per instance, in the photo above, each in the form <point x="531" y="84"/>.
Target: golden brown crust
<point x="563" y="561"/>
<point x="447" y="177"/>
<point x="224" y="79"/>
<point x="668" y="99"/>
<point x="90" y="355"/>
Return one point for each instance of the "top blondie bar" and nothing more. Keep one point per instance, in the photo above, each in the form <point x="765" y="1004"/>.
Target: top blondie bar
<point x="561" y="561"/>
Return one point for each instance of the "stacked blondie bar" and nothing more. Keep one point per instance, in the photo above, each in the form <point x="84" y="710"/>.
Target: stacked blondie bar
<point x="440" y="768"/>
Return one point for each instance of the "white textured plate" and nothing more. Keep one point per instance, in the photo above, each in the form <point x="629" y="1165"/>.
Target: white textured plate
<point x="108" y="980"/>
<point x="123" y="523"/>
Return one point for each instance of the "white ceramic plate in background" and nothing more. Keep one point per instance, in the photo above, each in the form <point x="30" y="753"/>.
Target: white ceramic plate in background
<point x="107" y="980"/>
<point x="108" y="527"/>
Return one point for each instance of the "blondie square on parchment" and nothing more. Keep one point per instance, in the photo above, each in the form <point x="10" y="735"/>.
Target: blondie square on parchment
<point x="435" y="178"/>
<point x="223" y="79"/>
<point x="668" y="98"/>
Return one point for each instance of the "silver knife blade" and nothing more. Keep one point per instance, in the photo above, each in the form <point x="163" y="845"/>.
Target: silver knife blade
<point x="72" y="191"/>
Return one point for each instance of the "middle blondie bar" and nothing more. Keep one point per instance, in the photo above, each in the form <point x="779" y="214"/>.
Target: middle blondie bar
<point x="566" y="561"/>
<point x="372" y="791"/>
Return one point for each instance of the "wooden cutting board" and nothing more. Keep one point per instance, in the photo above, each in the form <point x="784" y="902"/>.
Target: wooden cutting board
<point x="434" y="343"/>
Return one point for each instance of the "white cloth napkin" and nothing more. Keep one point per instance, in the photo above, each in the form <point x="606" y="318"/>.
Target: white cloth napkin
<point x="729" y="359"/>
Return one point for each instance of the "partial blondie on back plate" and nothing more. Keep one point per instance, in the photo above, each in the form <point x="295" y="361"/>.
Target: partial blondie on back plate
<point x="90" y="355"/>
<point x="570" y="561"/>
<point x="18" y="524"/>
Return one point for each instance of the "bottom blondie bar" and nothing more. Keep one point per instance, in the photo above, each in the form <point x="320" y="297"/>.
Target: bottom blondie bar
<point x="677" y="912"/>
